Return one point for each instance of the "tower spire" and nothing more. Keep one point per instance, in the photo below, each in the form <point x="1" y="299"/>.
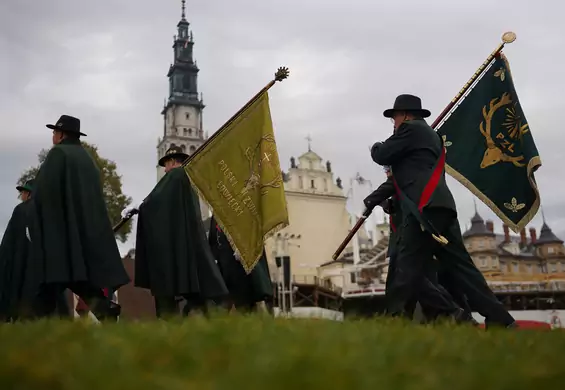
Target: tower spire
<point x="183" y="7"/>
<point x="475" y="204"/>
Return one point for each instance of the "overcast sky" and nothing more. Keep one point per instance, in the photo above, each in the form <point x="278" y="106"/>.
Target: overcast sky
<point x="106" y="61"/>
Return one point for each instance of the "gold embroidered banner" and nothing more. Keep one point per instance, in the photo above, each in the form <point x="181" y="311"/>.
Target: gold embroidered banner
<point x="490" y="148"/>
<point x="238" y="173"/>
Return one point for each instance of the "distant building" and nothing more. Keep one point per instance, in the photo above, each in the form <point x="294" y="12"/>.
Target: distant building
<point x="182" y="112"/>
<point x="510" y="263"/>
<point x="514" y="263"/>
<point x="318" y="217"/>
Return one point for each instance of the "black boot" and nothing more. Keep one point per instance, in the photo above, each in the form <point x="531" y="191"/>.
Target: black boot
<point x="494" y="325"/>
<point x="105" y="309"/>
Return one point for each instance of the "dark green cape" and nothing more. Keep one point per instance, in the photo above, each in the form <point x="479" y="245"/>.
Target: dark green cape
<point x="17" y="284"/>
<point x="72" y="237"/>
<point x="172" y="256"/>
<point x="245" y="290"/>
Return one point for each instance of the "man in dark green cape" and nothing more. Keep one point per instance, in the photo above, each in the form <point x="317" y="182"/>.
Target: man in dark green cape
<point x="172" y="255"/>
<point x="248" y="292"/>
<point x="17" y="289"/>
<point x="72" y="239"/>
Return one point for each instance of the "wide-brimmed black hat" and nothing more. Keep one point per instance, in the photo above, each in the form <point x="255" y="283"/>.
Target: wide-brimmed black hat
<point x="28" y="186"/>
<point x="67" y="124"/>
<point x="173" y="152"/>
<point x="408" y="103"/>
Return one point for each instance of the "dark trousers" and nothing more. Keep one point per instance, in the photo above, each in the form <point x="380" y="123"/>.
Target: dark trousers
<point x="49" y="299"/>
<point x="430" y="313"/>
<point x="169" y="306"/>
<point x="457" y="267"/>
<point x="415" y="273"/>
<point x="444" y="280"/>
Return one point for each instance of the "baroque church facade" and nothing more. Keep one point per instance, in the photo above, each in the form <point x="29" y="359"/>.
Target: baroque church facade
<point x="318" y="218"/>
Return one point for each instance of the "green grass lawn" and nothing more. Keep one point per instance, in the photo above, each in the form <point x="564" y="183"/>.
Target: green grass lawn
<point x="228" y="352"/>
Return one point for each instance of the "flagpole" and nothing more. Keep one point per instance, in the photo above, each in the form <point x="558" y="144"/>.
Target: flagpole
<point x="281" y="74"/>
<point x="507" y="37"/>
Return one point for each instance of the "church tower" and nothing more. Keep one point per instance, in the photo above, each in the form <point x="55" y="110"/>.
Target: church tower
<point x="182" y="112"/>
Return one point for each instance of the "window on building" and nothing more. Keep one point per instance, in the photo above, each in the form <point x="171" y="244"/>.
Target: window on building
<point x="189" y="131"/>
<point x="353" y="277"/>
<point x="183" y="148"/>
<point x="300" y="183"/>
<point x="529" y="269"/>
<point x="515" y="268"/>
<point x="481" y="244"/>
<point x="483" y="261"/>
<point x="185" y="132"/>
<point x="553" y="267"/>
<point x="312" y="184"/>
<point x="192" y="149"/>
<point x="187" y="115"/>
<point x="550" y="250"/>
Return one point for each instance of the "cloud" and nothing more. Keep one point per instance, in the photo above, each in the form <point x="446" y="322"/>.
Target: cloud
<point x="106" y="62"/>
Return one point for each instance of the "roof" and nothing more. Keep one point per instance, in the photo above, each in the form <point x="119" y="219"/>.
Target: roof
<point x="547" y="236"/>
<point x="310" y="155"/>
<point x="478" y="228"/>
<point x="527" y="252"/>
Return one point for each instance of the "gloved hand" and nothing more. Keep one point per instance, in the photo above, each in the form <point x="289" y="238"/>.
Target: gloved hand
<point x="130" y="210"/>
<point x="372" y="200"/>
<point x="374" y="149"/>
<point x="388" y="206"/>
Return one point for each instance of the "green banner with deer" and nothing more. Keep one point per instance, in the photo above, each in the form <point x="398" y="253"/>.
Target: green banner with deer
<point x="491" y="150"/>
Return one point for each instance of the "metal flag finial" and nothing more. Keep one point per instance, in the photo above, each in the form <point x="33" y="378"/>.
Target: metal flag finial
<point x="281" y="73"/>
<point x="183" y="6"/>
<point x="508" y="37"/>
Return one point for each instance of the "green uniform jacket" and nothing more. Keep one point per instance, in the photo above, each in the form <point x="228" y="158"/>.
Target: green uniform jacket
<point x="412" y="151"/>
<point x="17" y="284"/>
<point x="172" y="255"/>
<point x="244" y="289"/>
<point x="72" y="235"/>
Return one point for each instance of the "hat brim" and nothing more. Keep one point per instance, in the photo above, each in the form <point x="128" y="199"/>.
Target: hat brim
<point x="423" y="112"/>
<point x="53" y="127"/>
<point x="23" y="188"/>
<point x="162" y="160"/>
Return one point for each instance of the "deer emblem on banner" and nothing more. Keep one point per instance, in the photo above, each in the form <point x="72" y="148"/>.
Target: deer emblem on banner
<point x="499" y="147"/>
